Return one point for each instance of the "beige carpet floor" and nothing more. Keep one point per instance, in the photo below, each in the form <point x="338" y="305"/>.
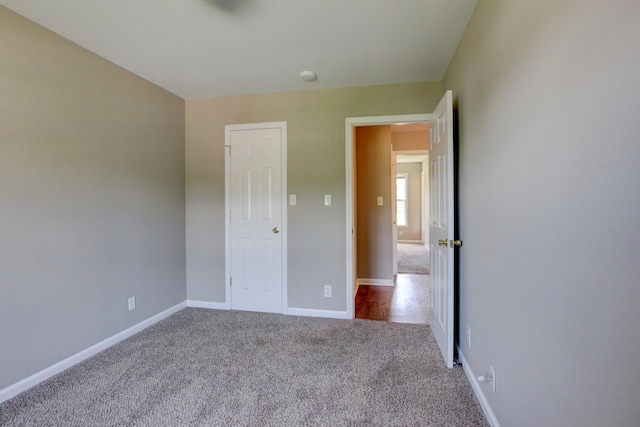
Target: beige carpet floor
<point x="218" y="368"/>
<point x="413" y="258"/>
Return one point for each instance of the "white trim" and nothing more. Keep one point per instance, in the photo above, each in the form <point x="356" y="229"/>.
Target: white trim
<point x="227" y="220"/>
<point x="411" y="241"/>
<point x="405" y="176"/>
<point x="309" y="312"/>
<point x="350" y="124"/>
<point x="26" y="383"/>
<point x="374" y="282"/>
<point x="285" y="220"/>
<point x="484" y="403"/>
<point x="412" y="153"/>
<point x="207" y="304"/>
<point x="227" y="204"/>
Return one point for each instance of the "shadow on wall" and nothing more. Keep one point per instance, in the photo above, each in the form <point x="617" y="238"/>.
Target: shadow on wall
<point x="229" y="6"/>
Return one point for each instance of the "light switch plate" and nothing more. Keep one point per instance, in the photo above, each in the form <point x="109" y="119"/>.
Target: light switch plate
<point x="292" y="199"/>
<point x="327" y="199"/>
<point x="379" y="201"/>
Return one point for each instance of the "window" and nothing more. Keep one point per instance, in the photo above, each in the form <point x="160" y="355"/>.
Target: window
<point x="401" y="199"/>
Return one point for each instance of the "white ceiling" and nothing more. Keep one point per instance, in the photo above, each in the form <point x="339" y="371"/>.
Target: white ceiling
<point x="212" y="48"/>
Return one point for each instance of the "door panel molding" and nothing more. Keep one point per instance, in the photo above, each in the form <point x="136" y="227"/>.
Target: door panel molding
<point x="441" y="229"/>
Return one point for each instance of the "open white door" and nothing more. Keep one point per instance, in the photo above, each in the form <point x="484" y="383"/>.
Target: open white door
<point x="441" y="232"/>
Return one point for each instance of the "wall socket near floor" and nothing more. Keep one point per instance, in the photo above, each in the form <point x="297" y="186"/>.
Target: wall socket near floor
<point x="327" y="291"/>
<point x="468" y="336"/>
<point x="489" y="378"/>
<point x="492" y="372"/>
<point x="132" y="303"/>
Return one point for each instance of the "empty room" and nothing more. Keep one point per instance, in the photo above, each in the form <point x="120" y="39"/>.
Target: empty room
<point x="184" y="224"/>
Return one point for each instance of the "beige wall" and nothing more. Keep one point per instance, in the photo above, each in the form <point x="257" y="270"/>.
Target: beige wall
<point x="373" y="223"/>
<point x="413" y="231"/>
<point x="410" y="141"/>
<point x="92" y="191"/>
<point x="316" y="166"/>
<point x="547" y="94"/>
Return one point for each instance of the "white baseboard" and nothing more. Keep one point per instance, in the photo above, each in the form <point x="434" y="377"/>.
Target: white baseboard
<point x="290" y="311"/>
<point x="309" y="312"/>
<point x="207" y="304"/>
<point x="374" y="282"/>
<point x="473" y="379"/>
<point x="26" y="383"/>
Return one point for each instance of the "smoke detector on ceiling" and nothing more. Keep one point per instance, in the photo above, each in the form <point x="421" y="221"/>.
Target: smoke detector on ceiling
<point x="308" y="76"/>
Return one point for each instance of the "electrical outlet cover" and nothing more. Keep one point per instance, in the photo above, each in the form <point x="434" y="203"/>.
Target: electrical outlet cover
<point x="492" y="372"/>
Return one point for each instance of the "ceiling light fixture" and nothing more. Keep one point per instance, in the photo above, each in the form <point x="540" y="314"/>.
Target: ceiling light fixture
<point x="308" y="76"/>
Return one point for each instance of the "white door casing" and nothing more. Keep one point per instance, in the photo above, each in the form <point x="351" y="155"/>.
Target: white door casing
<point x="350" y="124"/>
<point x="394" y="215"/>
<point x="256" y="217"/>
<point x="441" y="230"/>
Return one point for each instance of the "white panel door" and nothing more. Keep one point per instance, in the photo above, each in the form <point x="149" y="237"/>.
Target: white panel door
<point x="255" y="200"/>
<point x="441" y="232"/>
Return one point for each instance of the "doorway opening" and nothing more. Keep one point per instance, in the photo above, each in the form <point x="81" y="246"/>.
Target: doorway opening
<point x="390" y="295"/>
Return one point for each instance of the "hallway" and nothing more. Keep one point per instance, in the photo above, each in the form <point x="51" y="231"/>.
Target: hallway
<point x="407" y="302"/>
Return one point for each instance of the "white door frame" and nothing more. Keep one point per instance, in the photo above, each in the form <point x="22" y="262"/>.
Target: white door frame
<point x="394" y="215"/>
<point x="350" y="124"/>
<point x="227" y="206"/>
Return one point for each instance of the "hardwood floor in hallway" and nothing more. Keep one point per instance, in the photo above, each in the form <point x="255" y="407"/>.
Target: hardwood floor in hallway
<point x="407" y="302"/>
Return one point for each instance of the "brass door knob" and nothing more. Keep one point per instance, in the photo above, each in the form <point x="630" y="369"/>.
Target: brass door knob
<point x="275" y="230"/>
<point x="443" y="242"/>
<point x="457" y="243"/>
